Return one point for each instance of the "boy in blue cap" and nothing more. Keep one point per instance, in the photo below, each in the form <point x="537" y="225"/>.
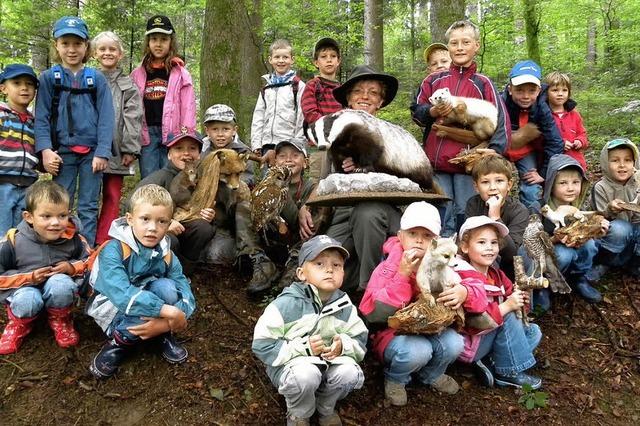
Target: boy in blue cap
<point x="525" y="106"/>
<point x="18" y="83"/>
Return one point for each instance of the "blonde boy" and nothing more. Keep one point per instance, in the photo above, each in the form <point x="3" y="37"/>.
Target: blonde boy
<point x="311" y="338"/>
<point x="437" y="57"/>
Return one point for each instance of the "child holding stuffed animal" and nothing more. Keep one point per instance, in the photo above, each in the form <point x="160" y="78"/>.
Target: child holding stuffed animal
<point x="462" y="80"/>
<point x="393" y="286"/>
<point x="566" y="116"/>
<point x="502" y="349"/>
<point x="620" y="162"/>
<point x="525" y="107"/>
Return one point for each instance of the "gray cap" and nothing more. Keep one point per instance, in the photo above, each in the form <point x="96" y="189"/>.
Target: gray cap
<point x="296" y="143"/>
<point x="219" y="112"/>
<point x="316" y="245"/>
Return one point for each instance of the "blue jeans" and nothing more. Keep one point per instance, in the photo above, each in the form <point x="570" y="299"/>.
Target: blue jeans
<point x="77" y="170"/>
<point x="622" y="239"/>
<point x="12" y="197"/>
<point x="164" y="288"/>
<point x="459" y="188"/>
<point x="153" y="156"/>
<point x="510" y="346"/>
<point x="429" y="356"/>
<point x="57" y="292"/>
<point x="530" y="194"/>
<point x="576" y="261"/>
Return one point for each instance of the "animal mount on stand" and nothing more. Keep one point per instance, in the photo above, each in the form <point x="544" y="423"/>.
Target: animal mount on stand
<point x="480" y="115"/>
<point x="579" y="232"/>
<point x="435" y="274"/>
<point x="540" y="249"/>
<point x="526" y="283"/>
<point x="269" y="197"/>
<point x="222" y="165"/>
<point x="470" y="157"/>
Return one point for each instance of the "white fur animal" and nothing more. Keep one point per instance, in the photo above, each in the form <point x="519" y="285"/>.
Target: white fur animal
<point x="374" y="145"/>
<point x="560" y="214"/>
<point x="435" y="273"/>
<point x="481" y="115"/>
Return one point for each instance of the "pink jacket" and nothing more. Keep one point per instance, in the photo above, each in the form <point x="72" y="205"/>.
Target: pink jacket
<point x="485" y="293"/>
<point x="179" y="109"/>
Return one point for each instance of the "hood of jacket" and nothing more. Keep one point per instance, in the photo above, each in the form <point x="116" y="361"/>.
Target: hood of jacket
<point x="559" y="162"/>
<point x="604" y="158"/>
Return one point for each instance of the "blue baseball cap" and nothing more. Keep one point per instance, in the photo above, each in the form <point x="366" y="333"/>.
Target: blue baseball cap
<point x="70" y="25"/>
<point x="185" y="133"/>
<point x="16" y="70"/>
<point x="525" y="72"/>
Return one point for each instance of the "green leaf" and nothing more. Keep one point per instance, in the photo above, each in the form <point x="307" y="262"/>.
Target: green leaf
<point x="216" y="393"/>
<point x="526" y="388"/>
<point x="541" y="399"/>
<point x="248" y="395"/>
<point x="530" y="404"/>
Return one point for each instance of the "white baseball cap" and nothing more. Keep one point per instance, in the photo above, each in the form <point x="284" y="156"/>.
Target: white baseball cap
<point x="478" y="221"/>
<point x="421" y="214"/>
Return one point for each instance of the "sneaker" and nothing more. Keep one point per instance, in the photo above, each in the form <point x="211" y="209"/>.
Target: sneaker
<point x="332" y="419"/>
<point x="519" y="380"/>
<point x="587" y="292"/>
<point x="297" y="421"/>
<point x="395" y="393"/>
<point x="484" y="373"/>
<point x="172" y="351"/>
<point x="264" y="274"/>
<point x="446" y="384"/>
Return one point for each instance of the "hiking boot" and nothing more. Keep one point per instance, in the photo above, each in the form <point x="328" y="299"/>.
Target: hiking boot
<point x="519" y="380"/>
<point x="332" y="419"/>
<point x="395" y="393"/>
<point x="172" y="351"/>
<point x="484" y="373"/>
<point x="264" y="274"/>
<point x="14" y="332"/>
<point x="289" y="275"/>
<point x="113" y="353"/>
<point x="297" y="421"/>
<point x="446" y="384"/>
<point x="588" y="293"/>
<point x="61" y="323"/>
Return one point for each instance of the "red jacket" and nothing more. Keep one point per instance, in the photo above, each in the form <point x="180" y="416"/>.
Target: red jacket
<point x="461" y="82"/>
<point x="318" y="100"/>
<point x="570" y="126"/>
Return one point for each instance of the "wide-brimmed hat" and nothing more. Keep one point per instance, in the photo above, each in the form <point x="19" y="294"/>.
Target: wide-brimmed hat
<point x="365" y="72"/>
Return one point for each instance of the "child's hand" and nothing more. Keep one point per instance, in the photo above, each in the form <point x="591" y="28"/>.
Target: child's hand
<point x="175" y="227"/>
<point x="269" y="158"/>
<point x="615" y="205"/>
<point x="176" y="318"/>
<point x="453" y="297"/>
<point x="127" y="159"/>
<point x="568" y="145"/>
<point x="494" y="203"/>
<point x="532" y="177"/>
<point x="41" y="274"/>
<point x="410" y="261"/>
<point x="305" y="223"/>
<point x="151" y="328"/>
<point x="62" y="268"/>
<point x="604" y="224"/>
<point x="348" y="165"/>
<point x="51" y="161"/>
<point x="208" y="214"/>
<point x="441" y="110"/>
<point x="565" y="240"/>
<point x="577" y="145"/>
<point x="334" y="350"/>
<point x="516" y="300"/>
<point x="316" y="344"/>
<point x="99" y="164"/>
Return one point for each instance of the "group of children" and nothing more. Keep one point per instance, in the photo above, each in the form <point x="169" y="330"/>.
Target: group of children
<point x="91" y="125"/>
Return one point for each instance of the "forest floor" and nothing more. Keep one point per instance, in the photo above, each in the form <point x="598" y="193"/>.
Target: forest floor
<point x="588" y="359"/>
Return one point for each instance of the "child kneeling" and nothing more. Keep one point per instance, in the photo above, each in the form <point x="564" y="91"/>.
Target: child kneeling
<point x="498" y="343"/>
<point x="40" y="261"/>
<point x="140" y="290"/>
<point x="391" y="287"/>
<point x="311" y="338"/>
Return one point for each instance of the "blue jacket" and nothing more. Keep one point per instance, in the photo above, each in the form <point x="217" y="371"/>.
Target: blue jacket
<point x="93" y="124"/>
<point x="121" y="285"/>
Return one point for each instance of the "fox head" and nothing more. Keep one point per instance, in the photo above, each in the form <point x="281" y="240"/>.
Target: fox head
<point x="443" y="251"/>
<point x="232" y="165"/>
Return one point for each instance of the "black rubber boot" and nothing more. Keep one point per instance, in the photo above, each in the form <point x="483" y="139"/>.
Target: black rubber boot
<point x="105" y="364"/>
<point x="172" y="350"/>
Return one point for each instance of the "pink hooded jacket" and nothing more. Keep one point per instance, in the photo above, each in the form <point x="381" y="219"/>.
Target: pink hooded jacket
<point x="179" y="109"/>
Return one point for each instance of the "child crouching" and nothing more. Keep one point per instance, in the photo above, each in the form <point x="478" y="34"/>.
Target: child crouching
<point x="311" y="338"/>
<point x="38" y="262"/>
<point x="141" y="292"/>
<point x="499" y="345"/>
<point x="392" y="286"/>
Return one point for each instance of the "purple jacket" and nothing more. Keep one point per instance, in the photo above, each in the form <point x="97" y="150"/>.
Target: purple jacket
<point x="179" y="108"/>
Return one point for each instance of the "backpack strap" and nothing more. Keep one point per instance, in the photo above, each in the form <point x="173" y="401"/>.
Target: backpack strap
<point x="294" y="82"/>
<point x="55" y="104"/>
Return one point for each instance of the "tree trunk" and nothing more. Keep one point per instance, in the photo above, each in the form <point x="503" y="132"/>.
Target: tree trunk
<point x="373" y="34"/>
<point x="592" y="47"/>
<point x="230" y="64"/>
<point x="443" y="14"/>
<point x="611" y="25"/>
<point x="532" y="28"/>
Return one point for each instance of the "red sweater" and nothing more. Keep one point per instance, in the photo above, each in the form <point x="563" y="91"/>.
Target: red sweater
<point x="318" y="100"/>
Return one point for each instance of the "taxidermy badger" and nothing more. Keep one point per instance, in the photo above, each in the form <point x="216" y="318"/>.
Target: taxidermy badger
<point x="481" y="116"/>
<point x="374" y="144"/>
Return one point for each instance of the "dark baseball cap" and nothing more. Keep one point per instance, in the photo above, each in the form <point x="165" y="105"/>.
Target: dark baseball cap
<point x="316" y="245"/>
<point x="326" y="43"/>
<point x="173" y="139"/>
<point x="16" y="70"/>
<point x="159" y="24"/>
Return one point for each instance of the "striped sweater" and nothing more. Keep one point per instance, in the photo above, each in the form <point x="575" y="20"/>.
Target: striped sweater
<point x="18" y="160"/>
<point x="281" y="335"/>
<point x="318" y="99"/>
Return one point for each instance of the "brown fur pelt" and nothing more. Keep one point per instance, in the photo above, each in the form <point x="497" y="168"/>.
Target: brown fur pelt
<point x="581" y="231"/>
<point x="457" y="134"/>
<point x="183" y="185"/>
<point x="222" y="164"/>
<point x="524" y="135"/>
<point x="421" y="317"/>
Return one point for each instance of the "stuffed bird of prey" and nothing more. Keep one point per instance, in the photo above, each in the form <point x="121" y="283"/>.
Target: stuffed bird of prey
<point x="269" y="197"/>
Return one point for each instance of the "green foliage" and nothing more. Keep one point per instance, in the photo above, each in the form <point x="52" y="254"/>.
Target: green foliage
<point x="532" y="399"/>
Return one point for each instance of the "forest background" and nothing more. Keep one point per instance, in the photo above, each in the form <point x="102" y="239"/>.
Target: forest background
<point x="225" y="44"/>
